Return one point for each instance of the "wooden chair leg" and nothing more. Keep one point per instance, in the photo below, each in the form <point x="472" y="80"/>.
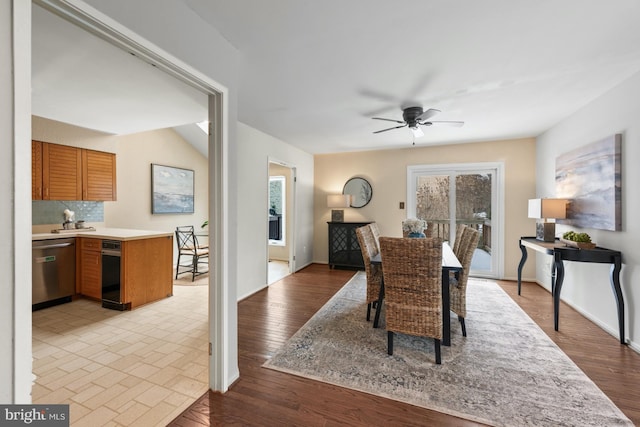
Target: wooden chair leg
<point x="464" y="327"/>
<point x="437" y="346"/>
<point x="390" y="343"/>
<point x="368" y="312"/>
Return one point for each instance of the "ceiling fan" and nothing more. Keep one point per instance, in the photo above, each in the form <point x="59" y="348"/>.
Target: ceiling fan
<point x="414" y="117"/>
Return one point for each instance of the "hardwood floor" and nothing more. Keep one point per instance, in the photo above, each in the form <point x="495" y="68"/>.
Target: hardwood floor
<point x="263" y="397"/>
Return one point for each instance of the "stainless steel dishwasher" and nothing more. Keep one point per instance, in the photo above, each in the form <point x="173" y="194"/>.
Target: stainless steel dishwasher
<point x="53" y="268"/>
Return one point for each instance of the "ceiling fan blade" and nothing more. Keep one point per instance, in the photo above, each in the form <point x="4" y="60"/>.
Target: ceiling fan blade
<point x="395" y="127"/>
<point x="443" y="123"/>
<point x="389" y="120"/>
<point x="428" y="114"/>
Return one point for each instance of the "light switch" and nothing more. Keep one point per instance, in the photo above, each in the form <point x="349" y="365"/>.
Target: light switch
<point x="401" y="205"/>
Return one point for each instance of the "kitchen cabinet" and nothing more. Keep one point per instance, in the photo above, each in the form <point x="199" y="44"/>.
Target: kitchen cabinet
<point x="61" y="172"/>
<point x="36" y="170"/>
<point x="90" y="268"/>
<point x="147" y="270"/>
<point x="98" y="175"/>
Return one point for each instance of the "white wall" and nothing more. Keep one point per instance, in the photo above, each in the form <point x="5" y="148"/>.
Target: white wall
<point x="135" y="153"/>
<point x="586" y="286"/>
<point x="256" y="149"/>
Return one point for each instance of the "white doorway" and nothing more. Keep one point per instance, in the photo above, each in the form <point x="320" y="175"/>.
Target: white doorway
<point x="222" y="361"/>
<point x="281" y="232"/>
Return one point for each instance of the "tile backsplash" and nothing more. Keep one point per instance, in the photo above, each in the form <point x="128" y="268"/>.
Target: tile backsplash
<point x="51" y="211"/>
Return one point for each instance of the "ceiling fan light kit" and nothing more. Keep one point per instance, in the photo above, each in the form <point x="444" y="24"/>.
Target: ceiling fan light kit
<point x="414" y="117"/>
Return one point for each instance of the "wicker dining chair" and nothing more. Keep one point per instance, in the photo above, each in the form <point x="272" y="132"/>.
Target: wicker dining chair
<point x="412" y="270"/>
<point x="456" y="242"/>
<point x="369" y="249"/>
<point x="376" y="234"/>
<point x="458" y="284"/>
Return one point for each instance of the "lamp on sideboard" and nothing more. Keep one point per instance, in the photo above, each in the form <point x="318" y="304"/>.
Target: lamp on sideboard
<point x="543" y="210"/>
<point x="338" y="201"/>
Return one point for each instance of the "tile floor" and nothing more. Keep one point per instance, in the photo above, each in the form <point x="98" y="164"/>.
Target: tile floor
<point x="277" y="270"/>
<point x="140" y="367"/>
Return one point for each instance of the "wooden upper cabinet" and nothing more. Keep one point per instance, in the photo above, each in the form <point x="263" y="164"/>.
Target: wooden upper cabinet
<point x="61" y="172"/>
<point x="98" y="176"/>
<point x="36" y="170"/>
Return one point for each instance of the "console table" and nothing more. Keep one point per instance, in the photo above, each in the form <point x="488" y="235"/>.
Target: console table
<point x="561" y="253"/>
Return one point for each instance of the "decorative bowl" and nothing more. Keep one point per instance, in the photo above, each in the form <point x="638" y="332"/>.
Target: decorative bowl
<point x="579" y="245"/>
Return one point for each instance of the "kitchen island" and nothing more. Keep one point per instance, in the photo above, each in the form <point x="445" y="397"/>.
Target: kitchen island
<point x="144" y="260"/>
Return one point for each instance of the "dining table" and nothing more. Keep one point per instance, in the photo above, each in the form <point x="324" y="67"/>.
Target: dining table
<point x="450" y="264"/>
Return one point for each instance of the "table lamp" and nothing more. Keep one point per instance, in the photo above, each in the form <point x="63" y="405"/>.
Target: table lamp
<point x="338" y="201"/>
<point x="543" y="210"/>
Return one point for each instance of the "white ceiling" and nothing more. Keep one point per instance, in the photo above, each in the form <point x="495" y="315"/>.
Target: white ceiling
<point x="315" y="72"/>
<point x="80" y="79"/>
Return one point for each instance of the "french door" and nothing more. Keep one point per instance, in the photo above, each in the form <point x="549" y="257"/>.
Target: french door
<point x="462" y="194"/>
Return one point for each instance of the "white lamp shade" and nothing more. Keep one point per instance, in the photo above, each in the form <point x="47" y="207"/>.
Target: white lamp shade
<point x="548" y="208"/>
<point x="338" y="200"/>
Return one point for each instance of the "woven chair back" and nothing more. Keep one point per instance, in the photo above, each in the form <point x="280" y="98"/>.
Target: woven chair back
<point x="412" y="270"/>
<point x="458" y="238"/>
<point x="369" y="249"/>
<point x="458" y="292"/>
<point x="376" y="234"/>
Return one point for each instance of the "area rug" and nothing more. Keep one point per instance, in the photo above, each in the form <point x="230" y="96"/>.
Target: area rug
<point x="506" y="372"/>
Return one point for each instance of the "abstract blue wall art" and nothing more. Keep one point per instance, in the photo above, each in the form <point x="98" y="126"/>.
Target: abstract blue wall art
<point x="590" y="177"/>
<point x="172" y="190"/>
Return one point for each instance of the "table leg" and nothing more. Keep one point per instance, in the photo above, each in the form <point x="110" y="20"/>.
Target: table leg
<point x="615" y="285"/>
<point x="446" y="316"/>
<point x="522" y="261"/>
<point x="553" y="278"/>
<point x="376" y="319"/>
<point x="557" y="288"/>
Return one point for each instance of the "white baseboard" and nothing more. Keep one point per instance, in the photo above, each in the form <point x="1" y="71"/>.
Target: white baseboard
<point x="303" y="266"/>
<point x="611" y="331"/>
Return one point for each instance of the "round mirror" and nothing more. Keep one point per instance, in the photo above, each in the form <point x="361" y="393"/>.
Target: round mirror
<point x="360" y="191"/>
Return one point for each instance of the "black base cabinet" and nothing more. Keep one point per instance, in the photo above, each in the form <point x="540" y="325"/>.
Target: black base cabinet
<point x="344" y="250"/>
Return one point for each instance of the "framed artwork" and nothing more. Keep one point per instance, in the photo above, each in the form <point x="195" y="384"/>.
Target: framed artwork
<point x="590" y="177"/>
<point x="171" y="190"/>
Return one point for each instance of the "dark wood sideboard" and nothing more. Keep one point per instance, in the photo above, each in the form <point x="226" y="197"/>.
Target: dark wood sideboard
<point x="344" y="249"/>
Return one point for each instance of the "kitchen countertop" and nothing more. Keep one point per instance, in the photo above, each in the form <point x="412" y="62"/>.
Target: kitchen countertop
<point x="122" y="234"/>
